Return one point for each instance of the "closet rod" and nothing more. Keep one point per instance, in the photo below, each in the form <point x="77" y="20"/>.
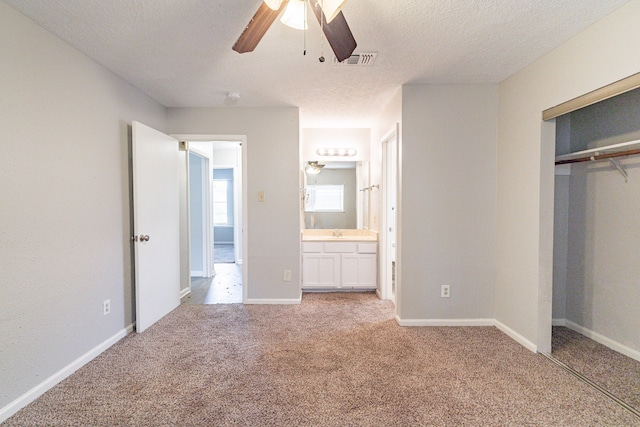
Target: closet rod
<point x="599" y="157"/>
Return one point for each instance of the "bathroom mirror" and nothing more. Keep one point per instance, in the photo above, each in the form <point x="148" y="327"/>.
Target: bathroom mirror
<point x="334" y="195"/>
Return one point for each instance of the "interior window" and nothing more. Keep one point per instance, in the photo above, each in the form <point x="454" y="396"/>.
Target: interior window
<point x="324" y="198"/>
<point x="220" y="202"/>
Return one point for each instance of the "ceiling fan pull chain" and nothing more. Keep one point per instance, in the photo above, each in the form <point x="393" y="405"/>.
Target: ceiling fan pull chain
<point x="305" y="28"/>
<point x="321" y="59"/>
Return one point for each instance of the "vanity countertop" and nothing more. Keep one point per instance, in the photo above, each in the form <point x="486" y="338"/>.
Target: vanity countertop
<point x="340" y="236"/>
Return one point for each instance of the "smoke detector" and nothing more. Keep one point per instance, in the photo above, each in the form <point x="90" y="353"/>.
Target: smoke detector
<point x="362" y="59"/>
<point x="232" y="98"/>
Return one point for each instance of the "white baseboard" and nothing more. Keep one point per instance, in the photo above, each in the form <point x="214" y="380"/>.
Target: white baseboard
<point x="470" y="322"/>
<point x="612" y="344"/>
<point x="184" y="292"/>
<point x="558" y="322"/>
<point x="444" y="322"/>
<point x="63" y="373"/>
<point x="273" y="301"/>
<point x="516" y="336"/>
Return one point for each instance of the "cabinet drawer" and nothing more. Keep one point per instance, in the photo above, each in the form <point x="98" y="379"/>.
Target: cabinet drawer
<point x="340" y="247"/>
<point x="367" y="248"/>
<point x="312" y="247"/>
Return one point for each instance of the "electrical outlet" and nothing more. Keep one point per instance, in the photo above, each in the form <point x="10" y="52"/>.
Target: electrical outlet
<point x="106" y="307"/>
<point x="287" y="276"/>
<point x="445" y="291"/>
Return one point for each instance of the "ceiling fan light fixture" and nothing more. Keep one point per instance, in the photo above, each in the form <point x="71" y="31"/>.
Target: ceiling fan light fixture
<point x="313" y="168"/>
<point x="294" y="15"/>
<point x="273" y="4"/>
<point x="331" y="8"/>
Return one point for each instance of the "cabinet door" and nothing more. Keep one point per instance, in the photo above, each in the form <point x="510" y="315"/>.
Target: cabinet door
<point x="359" y="271"/>
<point x="368" y="270"/>
<point x="320" y="271"/>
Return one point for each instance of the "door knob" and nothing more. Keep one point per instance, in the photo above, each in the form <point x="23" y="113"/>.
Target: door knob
<point x="144" y="237"/>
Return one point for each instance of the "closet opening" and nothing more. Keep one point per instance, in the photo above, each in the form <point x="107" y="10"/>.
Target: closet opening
<point x="596" y="273"/>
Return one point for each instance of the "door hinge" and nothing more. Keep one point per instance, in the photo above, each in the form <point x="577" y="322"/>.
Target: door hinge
<point x="183" y="145"/>
<point x="134" y="238"/>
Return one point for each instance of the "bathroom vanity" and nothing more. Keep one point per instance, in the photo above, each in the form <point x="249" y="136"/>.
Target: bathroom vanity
<point x="339" y="260"/>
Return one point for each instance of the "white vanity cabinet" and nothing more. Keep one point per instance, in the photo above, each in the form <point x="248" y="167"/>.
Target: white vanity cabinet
<point x="339" y="265"/>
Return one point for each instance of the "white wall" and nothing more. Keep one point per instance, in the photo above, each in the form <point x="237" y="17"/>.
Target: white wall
<point x="273" y="157"/>
<point x="447" y="210"/>
<point x="603" y="53"/>
<point x="64" y="216"/>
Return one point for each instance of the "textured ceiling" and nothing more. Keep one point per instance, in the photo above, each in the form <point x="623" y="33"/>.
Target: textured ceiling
<point x="179" y="51"/>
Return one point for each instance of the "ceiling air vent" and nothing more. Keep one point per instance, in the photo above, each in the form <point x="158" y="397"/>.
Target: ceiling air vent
<point x="362" y="59"/>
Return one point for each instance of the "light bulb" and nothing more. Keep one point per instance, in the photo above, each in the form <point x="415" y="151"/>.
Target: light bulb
<point x="294" y="15"/>
<point x="273" y="4"/>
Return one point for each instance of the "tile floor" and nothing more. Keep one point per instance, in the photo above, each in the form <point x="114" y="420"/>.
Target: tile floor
<point x="224" y="288"/>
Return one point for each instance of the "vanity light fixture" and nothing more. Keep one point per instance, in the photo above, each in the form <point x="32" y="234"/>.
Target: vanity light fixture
<point x="337" y="152"/>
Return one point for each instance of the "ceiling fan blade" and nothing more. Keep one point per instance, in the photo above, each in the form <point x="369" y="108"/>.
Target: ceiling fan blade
<point x="337" y="32"/>
<point x="257" y="27"/>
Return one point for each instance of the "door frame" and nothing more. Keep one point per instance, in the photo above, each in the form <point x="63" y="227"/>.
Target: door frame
<point x="386" y="271"/>
<point x="207" y="215"/>
<point x="244" y="231"/>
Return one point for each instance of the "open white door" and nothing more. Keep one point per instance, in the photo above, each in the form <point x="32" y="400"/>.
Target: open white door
<point x="389" y="217"/>
<point x="156" y="236"/>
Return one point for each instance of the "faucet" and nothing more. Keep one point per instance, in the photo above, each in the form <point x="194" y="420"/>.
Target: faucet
<point x="337" y="233"/>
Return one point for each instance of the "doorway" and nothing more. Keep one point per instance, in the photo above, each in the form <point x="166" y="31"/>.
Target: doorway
<point x="223" y="215"/>
<point x="215" y="176"/>
<point x="388" y="236"/>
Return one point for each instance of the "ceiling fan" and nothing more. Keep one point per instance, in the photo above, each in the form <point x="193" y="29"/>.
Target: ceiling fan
<point x="331" y="19"/>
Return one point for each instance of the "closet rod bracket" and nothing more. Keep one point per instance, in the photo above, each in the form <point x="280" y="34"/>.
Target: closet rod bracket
<point x="618" y="166"/>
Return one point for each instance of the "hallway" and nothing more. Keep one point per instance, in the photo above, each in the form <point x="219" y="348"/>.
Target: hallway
<point x="224" y="288"/>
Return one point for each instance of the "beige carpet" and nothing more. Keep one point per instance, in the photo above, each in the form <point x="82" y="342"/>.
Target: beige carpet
<point x="334" y="360"/>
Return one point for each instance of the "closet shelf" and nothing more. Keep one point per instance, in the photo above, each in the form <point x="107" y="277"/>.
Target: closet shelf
<point x="608" y="152"/>
<point x="601" y="153"/>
